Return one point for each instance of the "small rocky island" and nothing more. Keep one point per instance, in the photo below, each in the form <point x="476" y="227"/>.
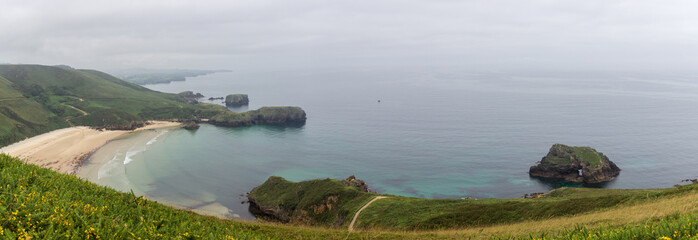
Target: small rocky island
<point x="237" y="100"/>
<point x="575" y="164"/>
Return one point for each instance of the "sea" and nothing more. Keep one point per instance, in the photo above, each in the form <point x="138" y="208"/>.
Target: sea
<point x="418" y="132"/>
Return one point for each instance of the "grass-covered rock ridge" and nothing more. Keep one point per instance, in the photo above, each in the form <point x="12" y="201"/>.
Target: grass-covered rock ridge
<point x="575" y="164"/>
<point x="266" y="115"/>
<point x="322" y="202"/>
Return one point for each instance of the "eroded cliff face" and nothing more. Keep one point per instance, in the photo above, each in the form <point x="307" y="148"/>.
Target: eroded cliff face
<point x="237" y="100"/>
<point x="575" y="164"/>
<point x="269" y="213"/>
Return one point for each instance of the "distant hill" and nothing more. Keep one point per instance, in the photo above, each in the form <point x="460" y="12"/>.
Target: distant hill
<point x="35" y="99"/>
<point x="149" y="76"/>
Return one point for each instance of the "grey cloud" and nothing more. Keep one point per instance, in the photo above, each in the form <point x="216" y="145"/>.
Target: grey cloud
<point x="271" y="34"/>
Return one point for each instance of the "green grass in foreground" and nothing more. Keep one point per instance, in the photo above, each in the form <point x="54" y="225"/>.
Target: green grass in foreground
<point x="43" y="204"/>
<point x="39" y="203"/>
<point x="672" y="227"/>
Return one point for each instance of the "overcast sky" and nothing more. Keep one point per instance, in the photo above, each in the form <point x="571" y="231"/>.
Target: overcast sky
<point x="264" y="34"/>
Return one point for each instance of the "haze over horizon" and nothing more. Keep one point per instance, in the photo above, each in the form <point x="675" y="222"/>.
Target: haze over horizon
<point x="485" y="35"/>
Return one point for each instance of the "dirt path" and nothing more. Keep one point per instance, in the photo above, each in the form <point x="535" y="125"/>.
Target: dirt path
<point x="351" y="225"/>
<point x="11" y="99"/>
<point x="73" y="107"/>
<point x="83" y="112"/>
<point x="67" y="119"/>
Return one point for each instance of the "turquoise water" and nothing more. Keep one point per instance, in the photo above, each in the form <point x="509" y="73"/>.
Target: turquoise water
<point x="434" y="134"/>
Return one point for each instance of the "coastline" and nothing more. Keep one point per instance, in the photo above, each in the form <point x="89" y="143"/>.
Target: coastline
<point x="64" y="150"/>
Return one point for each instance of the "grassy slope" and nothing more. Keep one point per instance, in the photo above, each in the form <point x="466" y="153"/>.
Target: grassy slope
<point x="35" y="99"/>
<point x="406" y="213"/>
<point x="22" y="117"/>
<point x="97" y="89"/>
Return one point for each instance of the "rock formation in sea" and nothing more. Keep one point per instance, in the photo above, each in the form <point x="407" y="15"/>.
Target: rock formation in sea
<point x="266" y="115"/>
<point x="575" y="164"/>
<point x="191" y="125"/>
<point x="236" y="100"/>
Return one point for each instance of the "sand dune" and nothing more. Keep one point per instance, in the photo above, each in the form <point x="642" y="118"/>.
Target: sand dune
<point x="64" y="150"/>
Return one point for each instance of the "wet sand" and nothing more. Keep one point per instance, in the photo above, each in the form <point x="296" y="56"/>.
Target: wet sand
<point x="65" y="149"/>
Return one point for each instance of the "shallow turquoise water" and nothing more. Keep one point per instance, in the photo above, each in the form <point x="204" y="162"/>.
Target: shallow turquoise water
<point x="434" y="134"/>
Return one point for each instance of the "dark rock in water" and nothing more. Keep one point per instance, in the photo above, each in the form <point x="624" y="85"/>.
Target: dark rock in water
<point x="690" y="180"/>
<point x="215" y="98"/>
<point x="190" y="125"/>
<point x="236" y="100"/>
<point x="575" y="164"/>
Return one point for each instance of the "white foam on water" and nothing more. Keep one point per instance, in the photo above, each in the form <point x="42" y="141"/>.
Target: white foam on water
<point x="155" y="139"/>
<point x="130" y="154"/>
<point x="109" y="168"/>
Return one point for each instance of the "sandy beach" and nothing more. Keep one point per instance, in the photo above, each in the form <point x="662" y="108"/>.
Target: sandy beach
<point x="64" y="150"/>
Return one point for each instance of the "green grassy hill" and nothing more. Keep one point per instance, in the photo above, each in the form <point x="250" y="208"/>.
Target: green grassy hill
<point x="22" y="117"/>
<point x="35" y="99"/>
<point x="324" y="202"/>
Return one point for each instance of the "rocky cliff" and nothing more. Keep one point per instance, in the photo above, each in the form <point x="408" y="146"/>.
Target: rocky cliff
<point x="265" y="115"/>
<point x="575" y="164"/>
<point x="236" y="100"/>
